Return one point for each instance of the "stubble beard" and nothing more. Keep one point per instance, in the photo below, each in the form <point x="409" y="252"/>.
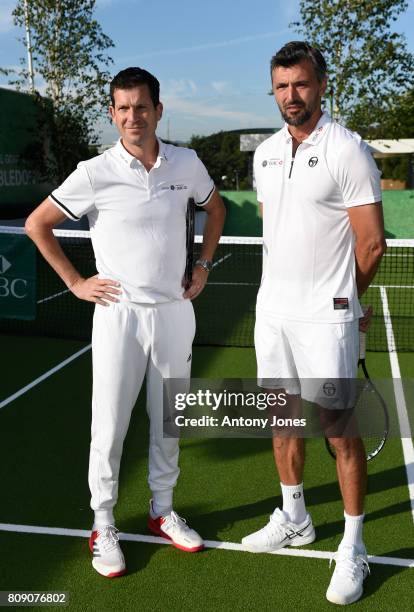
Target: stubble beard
<point x="298" y="119"/>
<point x="303" y="116"/>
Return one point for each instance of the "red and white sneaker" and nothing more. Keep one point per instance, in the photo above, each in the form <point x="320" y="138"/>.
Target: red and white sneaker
<point x="108" y="559"/>
<point x="174" y="528"/>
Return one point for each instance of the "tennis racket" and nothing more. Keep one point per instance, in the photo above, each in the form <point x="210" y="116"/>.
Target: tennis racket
<point x="370" y="406"/>
<point x="189" y="264"/>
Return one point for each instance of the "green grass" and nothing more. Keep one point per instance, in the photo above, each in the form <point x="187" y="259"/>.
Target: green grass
<point x="162" y="578"/>
<point x="227" y="489"/>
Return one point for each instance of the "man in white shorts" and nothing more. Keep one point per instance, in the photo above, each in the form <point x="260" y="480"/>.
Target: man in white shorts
<point x="323" y="237"/>
<point x="135" y="196"/>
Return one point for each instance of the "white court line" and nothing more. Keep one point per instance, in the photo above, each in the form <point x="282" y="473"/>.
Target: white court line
<point x="43" y="377"/>
<point x="404" y="423"/>
<point x="50" y="297"/>
<point x="136" y="537"/>
<point x="219" y="261"/>
<point x="393" y="286"/>
<point x="257" y="284"/>
<point x="233" y="284"/>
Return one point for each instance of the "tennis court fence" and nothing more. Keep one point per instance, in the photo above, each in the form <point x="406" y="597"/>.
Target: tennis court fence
<point x="225" y="311"/>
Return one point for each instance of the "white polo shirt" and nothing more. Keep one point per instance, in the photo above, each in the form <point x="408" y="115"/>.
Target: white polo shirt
<point x="137" y="218"/>
<point x="308" y="242"/>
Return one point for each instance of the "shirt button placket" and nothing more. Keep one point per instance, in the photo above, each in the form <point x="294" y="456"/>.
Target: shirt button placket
<point x="149" y="185"/>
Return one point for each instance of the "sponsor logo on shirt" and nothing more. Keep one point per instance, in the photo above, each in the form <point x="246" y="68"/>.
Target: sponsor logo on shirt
<point x="174" y="187"/>
<point x="272" y="162"/>
<point x="340" y="303"/>
<point x="316" y="133"/>
<point x="313" y="161"/>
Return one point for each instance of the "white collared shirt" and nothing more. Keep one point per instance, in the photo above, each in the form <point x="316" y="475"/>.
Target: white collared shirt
<point x="308" y="242"/>
<point x="137" y="218"/>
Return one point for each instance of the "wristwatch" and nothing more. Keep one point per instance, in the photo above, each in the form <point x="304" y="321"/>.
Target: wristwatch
<point x="205" y="263"/>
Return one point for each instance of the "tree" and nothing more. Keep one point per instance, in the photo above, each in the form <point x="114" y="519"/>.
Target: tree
<point x="398" y="122"/>
<point x="368" y="64"/>
<point x="69" y="56"/>
<point x="221" y="154"/>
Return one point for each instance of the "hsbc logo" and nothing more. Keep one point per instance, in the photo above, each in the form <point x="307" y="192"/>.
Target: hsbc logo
<point x="272" y="162"/>
<point x="18" y="277"/>
<point x="4" y="264"/>
<point x="16" y="287"/>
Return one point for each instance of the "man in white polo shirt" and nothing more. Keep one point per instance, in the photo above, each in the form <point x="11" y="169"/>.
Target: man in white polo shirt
<point x="135" y="196"/>
<point x="323" y="238"/>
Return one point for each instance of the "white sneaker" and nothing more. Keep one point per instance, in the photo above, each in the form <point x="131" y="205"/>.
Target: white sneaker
<point x="280" y="532"/>
<point x="108" y="559"/>
<point x="351" y="569"/>
<point x="174" y="528"/>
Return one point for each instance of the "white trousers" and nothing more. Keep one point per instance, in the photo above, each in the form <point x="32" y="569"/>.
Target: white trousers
<point x="129" y="342"/>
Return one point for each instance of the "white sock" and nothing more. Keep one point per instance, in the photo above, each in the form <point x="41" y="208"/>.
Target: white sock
<point x="102" y="519"/>
<point x="353" y="530"/>
<point x="294" y="502"/>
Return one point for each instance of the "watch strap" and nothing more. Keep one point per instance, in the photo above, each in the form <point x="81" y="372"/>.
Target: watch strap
<point x="205" y="263"/>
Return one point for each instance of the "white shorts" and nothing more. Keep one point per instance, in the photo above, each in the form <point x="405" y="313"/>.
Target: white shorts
<point x="292" y="354"/>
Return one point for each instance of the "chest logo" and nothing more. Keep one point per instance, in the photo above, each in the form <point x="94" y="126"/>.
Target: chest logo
<point x="312" y="162"/>
<point x="178" y="187"/>
<point x="272" y="162"/>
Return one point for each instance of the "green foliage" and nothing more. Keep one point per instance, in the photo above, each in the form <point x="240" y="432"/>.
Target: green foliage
<point x="395" y="122"/>
<point x="69" y="56"/>
<point x="369" y="66"/>
<point x="395" y="168"/>
<point x="222" y="157"/>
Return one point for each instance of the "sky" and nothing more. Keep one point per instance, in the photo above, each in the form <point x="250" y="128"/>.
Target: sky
<point x="211" y="58"/>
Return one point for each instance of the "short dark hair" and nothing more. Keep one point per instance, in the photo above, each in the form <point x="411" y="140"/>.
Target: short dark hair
<point x="294" y="52"/>
<point x="133" y="77"/>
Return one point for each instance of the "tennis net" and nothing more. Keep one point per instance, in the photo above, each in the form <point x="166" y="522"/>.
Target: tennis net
<point x="225" y="311"/>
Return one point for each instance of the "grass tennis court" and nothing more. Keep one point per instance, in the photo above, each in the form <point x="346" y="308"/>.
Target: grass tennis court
<point x="227" y="488"/>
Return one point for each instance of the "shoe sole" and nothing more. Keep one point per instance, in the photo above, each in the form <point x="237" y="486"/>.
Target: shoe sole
<point x="153" y="527"/>
<point x="111" y="574"/>
<point x="336" y="599"/>
<point x="302" y="542"/>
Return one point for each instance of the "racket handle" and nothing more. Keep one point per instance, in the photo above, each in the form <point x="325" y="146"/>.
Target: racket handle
<point x="362" y="344"/>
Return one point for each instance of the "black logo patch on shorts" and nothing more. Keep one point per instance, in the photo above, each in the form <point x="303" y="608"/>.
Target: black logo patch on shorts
<point x="340" y="303"/>
<point x="329" y="389"/>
